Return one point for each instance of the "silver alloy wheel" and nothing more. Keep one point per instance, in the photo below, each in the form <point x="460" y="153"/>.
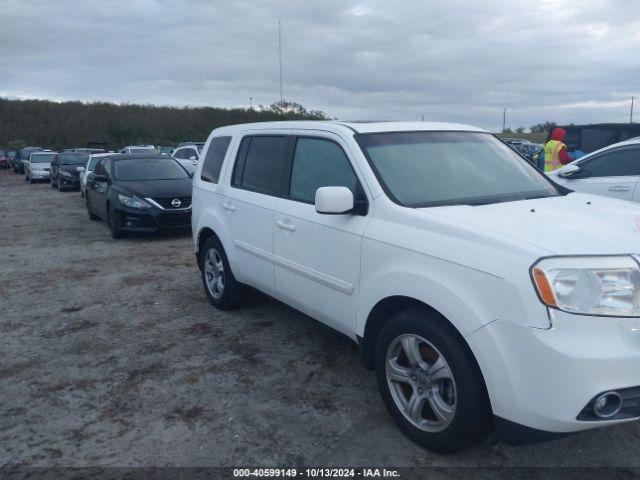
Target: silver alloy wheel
<point x="421" y="383"/>
<point x="214" y="273"/>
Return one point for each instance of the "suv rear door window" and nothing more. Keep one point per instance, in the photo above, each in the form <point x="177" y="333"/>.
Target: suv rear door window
<point x="263" y="167"/>
<point x="213" y="161"/>
<point x="319" y="163"/>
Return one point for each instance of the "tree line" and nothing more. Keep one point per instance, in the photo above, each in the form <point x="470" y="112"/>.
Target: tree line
<point x="58" y="125"/>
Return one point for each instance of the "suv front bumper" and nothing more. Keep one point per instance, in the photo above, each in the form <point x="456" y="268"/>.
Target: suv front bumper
<point x="544" y="379"/>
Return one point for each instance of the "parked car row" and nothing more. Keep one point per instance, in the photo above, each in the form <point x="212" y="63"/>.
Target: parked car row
<point x="144" y="191"/>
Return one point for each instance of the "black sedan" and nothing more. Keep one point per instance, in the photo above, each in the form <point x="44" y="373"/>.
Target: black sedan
<point x="66" y="169"/>
<point x="139" y="193"/>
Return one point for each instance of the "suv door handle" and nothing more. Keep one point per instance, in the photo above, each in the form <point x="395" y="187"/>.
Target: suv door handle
<point x="619" y="188"/>
<point x="286" y="225"/>
<point x="228" y="206"/>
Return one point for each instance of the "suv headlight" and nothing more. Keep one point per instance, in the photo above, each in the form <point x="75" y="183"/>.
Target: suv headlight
<point x="604" y="286"/>
<point x="133" y="202"/>
<point x="65" y="174"/>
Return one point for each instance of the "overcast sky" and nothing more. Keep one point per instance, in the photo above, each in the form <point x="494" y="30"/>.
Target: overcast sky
<point x="454" y="60"/>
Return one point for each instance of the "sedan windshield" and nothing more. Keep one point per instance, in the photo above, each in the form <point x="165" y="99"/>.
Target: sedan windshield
<point x="425" y="169"/>
<point x="42" y="157"/>
<point x="71" y="159"/>
<point x="149" y="169"/>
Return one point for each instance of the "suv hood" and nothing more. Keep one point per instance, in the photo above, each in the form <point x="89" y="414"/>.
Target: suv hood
<point x="575" y="224"/>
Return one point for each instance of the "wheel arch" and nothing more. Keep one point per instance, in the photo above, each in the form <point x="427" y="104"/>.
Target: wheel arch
<point x="382" y="312"/>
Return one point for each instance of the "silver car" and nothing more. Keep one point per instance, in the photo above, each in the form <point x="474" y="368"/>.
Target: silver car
<point x="38" y="165"/>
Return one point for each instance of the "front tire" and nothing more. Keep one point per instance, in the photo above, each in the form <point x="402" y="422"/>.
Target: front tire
<point x="430" y="382"/>
<point x="116" y="233"/>
<point x="220" y="285"/>
<point x="92" y="217"/>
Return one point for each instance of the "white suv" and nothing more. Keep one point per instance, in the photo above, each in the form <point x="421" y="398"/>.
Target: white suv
<point x="485" y="296"/>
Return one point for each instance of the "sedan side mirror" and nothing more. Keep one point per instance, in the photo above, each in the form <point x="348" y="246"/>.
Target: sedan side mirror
<point x="569" y="171"/>
<point x="334" y="200"/>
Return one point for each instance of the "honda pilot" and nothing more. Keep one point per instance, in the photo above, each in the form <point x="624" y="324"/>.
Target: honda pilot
<point x="485" y="297"/>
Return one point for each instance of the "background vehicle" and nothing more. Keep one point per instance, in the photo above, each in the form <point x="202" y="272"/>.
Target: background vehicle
<point x="583" y="139"/>
<point x="88" y="168"/>
<point x="139" y="149"/>
<point x="66" y="168"/>
<point x="21" y="156"/>
<point x="188" y="156"/>
<point x="198" y="145"/>
<point x="4" y="159"/>
<point x="434" y="247"/>
<point x="613" y="171"/>
<point x="138" y="192"/>
<point x="38" y="166"/>
<point x="166" y="150"/>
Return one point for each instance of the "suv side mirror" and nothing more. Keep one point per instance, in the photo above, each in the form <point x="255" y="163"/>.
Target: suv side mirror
<point x="80" y="169"/>
<point x="334" y="200"/>
<point x="569" y="171"/>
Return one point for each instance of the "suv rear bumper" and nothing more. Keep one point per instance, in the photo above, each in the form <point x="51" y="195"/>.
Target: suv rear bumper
<point x="544" y="379"/>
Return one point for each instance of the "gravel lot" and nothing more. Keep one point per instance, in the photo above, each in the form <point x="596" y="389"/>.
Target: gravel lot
<point x="111" y="355"/>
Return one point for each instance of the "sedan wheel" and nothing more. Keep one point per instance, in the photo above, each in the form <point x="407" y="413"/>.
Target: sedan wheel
<point x="421" y="383"/>
<point x="214" y="273"/>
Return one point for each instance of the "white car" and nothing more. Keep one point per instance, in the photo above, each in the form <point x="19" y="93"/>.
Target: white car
<point x="38" y="166"/>
<point x="88" y="168"/>
<point x="187" y="156"/>
<point x="484" y="296"/>
<point x="139" y="149"/>
<point x="613" y="171"/>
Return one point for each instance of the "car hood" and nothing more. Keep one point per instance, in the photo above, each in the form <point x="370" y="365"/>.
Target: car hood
<point x="158" y="188"/>
<point x="574" y="224"/>
<point x="70" y="168"/>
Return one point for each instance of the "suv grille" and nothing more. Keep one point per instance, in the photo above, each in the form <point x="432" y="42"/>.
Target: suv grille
<point x="185" y="202"/>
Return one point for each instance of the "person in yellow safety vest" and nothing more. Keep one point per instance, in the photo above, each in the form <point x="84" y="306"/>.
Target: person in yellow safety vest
<point x="555" y="152"/>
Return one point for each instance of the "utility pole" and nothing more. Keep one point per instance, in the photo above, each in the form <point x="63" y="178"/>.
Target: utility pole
<point x="280" y="59"/>
<point x="250" y="103"/>
<point x="631" y="115"/>
<point x="504" y="118"/>
<point x="423" y="117"/>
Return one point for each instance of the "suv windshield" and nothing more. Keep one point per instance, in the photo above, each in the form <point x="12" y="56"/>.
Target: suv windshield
<point x="149" y="169"/>
<point x="70" y="159"/>
<point x="42" y="157"/>
<point x="426" y="169"/>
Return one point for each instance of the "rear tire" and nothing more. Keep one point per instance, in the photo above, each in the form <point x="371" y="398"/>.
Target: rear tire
<point x="221" y="287"/>
<point x="435" y="393"/>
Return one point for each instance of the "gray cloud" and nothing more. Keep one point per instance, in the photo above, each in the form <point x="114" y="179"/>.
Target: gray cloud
<point x="460" y="60"/>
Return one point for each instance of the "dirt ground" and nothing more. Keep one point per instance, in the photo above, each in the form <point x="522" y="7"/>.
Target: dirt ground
<point x="111" y="355"/>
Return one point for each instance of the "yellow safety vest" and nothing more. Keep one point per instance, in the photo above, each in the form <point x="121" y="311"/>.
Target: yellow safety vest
<point x="552" y="155"/>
